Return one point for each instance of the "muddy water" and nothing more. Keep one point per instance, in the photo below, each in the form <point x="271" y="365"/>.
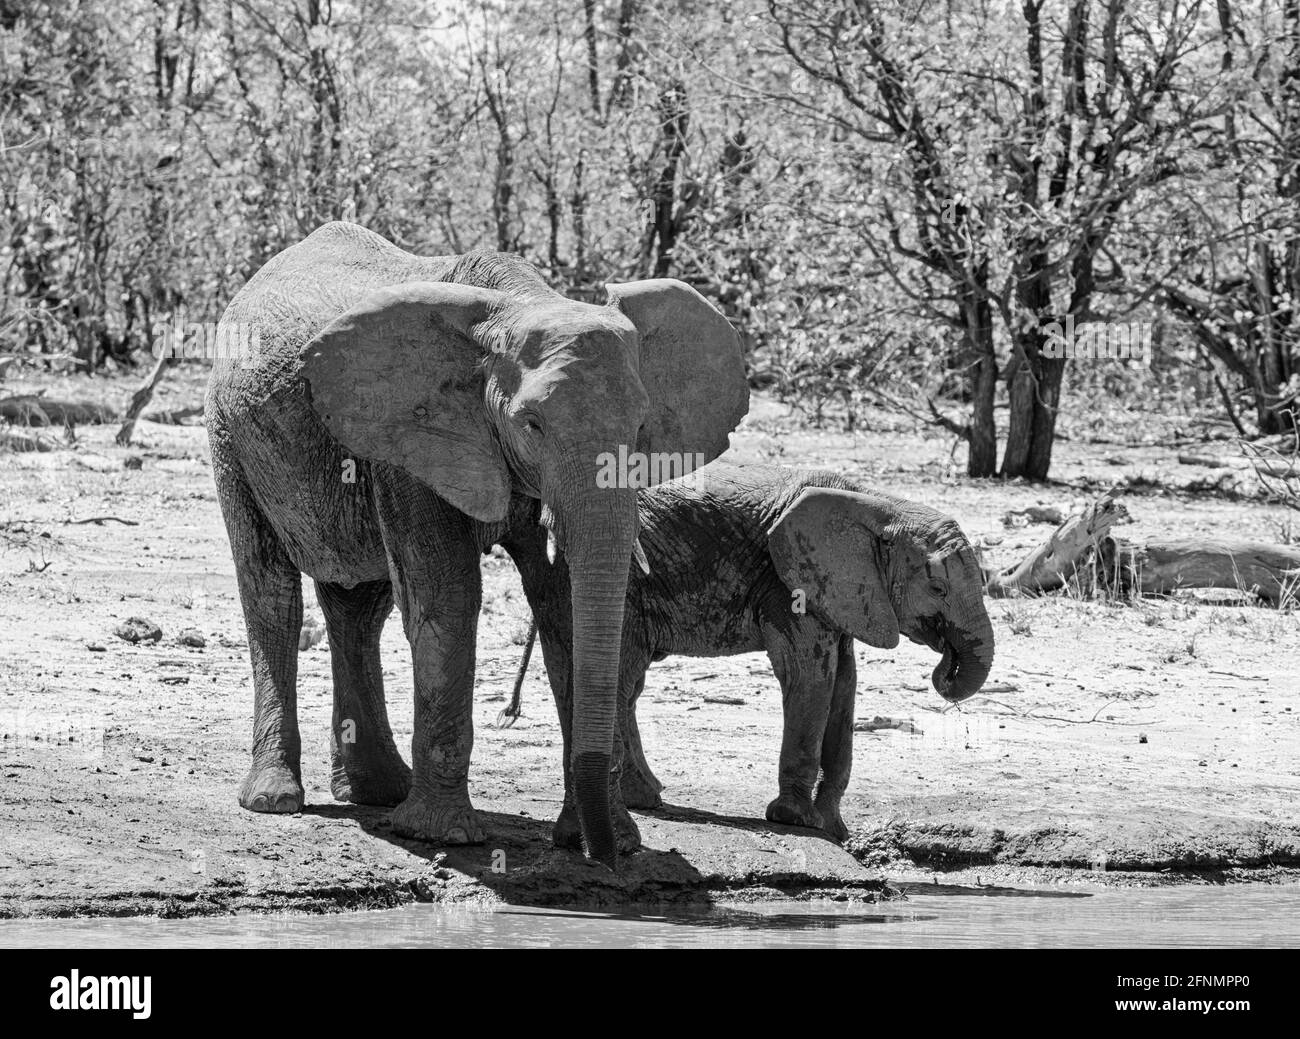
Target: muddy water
<point x="1170" y="917"/>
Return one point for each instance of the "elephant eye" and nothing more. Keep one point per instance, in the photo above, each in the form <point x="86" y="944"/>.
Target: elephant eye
<point x="938" y="587"/>
<point x="531" y="423"/>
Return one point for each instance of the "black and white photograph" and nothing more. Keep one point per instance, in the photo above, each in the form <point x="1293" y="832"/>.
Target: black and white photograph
<point x="650" y="474"/>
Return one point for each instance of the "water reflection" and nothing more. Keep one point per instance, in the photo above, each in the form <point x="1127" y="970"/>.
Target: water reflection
<point x="725" y="918"/>
<point x="1191" y="916"/>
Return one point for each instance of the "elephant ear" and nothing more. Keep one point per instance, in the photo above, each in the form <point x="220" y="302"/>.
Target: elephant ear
<point x="691" y="365"/>
<point x="398" y="379"/>
<point x="831" y="545"/>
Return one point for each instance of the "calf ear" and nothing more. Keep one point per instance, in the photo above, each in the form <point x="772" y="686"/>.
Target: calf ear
<point x="825" y="545"/>
<point x="399" y="379"/>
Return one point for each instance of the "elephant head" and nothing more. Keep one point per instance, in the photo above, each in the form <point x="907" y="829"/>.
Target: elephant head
<point x="876" y="566"/>
<point x="481" y="391"/>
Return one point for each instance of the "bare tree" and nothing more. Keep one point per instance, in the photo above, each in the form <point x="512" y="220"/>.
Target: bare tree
<point x="1007" y="185"/>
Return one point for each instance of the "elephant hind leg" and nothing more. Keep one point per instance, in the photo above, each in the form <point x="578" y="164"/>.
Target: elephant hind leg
<point x="837" y="744"/>
<point x="367" y="769"/>
<point x="270" y="591"/>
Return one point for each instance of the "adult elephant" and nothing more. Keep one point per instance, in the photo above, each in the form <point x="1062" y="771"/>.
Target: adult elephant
<point x="373" y="442"/>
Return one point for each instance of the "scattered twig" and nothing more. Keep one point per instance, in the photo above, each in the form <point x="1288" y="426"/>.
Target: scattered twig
<point x="99" y="521"/>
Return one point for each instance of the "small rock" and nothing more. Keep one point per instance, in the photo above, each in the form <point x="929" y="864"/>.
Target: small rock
<point x="133" y="462"/>
<point x="880" y="723"/>
<point x="192" y="637"/>
<point x="95" y="647"/>
<point x="138" y="629"/>
<point x="1142" y="738"/>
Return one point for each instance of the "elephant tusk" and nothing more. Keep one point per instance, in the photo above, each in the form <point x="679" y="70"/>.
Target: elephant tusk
<point x="552" y="547"/>
<point x="638" y="553"/>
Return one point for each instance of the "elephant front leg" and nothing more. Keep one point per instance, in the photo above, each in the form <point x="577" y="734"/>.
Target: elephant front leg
<point x="567" y="832"/>
<point x="367" y="769"/>
<point x="804" y="662"/>
<point x="433" y="564"/>
<point x="837" y="744"/>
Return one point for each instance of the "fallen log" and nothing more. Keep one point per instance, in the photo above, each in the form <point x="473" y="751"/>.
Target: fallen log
<point x="1083" y="549"/>
<point x="1207" y="461"/>
<point x="23" y="440"/>
<point x="32" y="409"/>
<point x="1056" y="561"/>
<point x="1271" y="572"/>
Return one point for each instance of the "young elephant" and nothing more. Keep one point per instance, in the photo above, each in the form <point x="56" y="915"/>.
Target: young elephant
<point x="795" y="562"/>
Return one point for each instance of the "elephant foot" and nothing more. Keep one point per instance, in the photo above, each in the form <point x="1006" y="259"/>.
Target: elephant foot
<point x="387" y="782"/>
<point x="832" y="823"/>
<point x="438" y="821"/>
<point x="567" y="832"/>
<point x="271" y="788"/>
<point x="640" y="789"/>
<point x="626" y="831"/>
<point x="794" y="811"/>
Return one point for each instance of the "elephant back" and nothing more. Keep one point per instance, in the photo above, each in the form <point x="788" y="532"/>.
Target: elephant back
<point x="302" y="289"/>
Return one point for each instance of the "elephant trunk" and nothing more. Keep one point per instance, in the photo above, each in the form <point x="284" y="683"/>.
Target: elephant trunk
<point x="968" y="651"/>
<point x="597" y="542"/>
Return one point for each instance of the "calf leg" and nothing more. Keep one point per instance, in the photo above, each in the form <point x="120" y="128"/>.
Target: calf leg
<point x="837" y="744"/>
<point x="366" y="766"/>
<point x="804" y="657"/>
<point x="640" y="787"/>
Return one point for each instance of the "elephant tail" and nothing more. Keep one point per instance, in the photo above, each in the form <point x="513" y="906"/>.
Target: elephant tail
<point x="510" y="714"/>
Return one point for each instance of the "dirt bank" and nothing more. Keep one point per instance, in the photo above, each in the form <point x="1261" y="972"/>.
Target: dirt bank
<point x="1159" y="740"/>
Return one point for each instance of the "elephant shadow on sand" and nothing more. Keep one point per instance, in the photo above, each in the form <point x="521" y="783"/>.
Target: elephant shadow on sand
<point x="521" y="865"/>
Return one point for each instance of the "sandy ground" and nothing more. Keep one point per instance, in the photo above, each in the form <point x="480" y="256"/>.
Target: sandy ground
<point x="1115" y="743"/>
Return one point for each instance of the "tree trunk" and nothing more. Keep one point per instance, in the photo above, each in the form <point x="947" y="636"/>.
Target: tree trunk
<point x="593" y="68"/>
<point x="1035" y="393"/>
<point x="661" y="240"/>
<point x="979" y="361"/>
<point x="578" y="204"/>
<point x="627" y="53"/>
